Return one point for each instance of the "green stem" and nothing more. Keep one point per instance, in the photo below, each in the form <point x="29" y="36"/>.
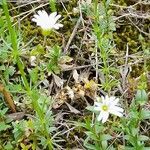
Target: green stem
<point x="52" y="5"/>
<point x="44" y="41"/>
<point x="96" y="10"/>
<point x="100" y="35"/>
<point x="10" y="28"/>
<point x="50" y="146"/>
<point x="23" y="75"/>
<point x="20" y="66"/>
<point x="14" y="45"/>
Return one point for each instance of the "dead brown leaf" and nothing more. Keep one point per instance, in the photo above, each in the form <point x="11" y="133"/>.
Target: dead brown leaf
<point x="8" y="99"/>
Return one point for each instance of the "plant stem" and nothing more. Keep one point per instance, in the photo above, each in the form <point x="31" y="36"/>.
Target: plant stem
<point x="52" y="5"/>
<point x="14" y="45"/>
<point x="44" y="41"/>
<point x="20" y="65"/>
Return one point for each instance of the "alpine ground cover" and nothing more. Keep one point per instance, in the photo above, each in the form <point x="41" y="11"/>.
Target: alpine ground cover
<point x="75" y="75"/>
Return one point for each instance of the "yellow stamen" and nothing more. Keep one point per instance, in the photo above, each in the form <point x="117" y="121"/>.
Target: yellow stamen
<point x="104" y="107"/>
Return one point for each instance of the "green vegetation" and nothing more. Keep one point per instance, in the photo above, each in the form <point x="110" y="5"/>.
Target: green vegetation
<point x="50" y="85"/>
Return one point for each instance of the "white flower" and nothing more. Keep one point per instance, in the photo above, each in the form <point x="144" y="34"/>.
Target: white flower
<point x="107" y="105"/>
<point x="47" y="22"/>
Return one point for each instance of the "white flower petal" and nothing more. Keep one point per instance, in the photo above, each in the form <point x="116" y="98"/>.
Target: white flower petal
<point x="112" y="99"/>
<point x="105" y="117"/>
<point x="100" y="116"/>
<point x="96" y="108"/>
<point x="115" y="102"/>
<point x="57" y="17"/>
<point x="58" y="25"/>
<point x="107" y="97"/>
<point x="53" y="15"/>
<point x="97" y="104"/>
<point x="108" y="100"/>
<point x="45" y="21"/>
<point x="34" y="19"/>
<point x="117" y="113"/>
<point x="117" y="108"/>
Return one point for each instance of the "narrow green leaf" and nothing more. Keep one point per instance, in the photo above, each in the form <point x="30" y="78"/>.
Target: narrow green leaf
<point x="141" y="97"/>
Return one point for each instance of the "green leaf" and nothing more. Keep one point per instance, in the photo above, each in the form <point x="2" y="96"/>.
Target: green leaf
<point x="34" y="75"/>
<point x="91" y="135"/>
<point x="2" y="67"/>
<point x="43" y="142"/>
<point x="134" y="114"/>
<point x="11" y="70"/>
<point x="127" y="137"/>
<point x="8" y="146"/>
<point x="3" y="112"/>
<point x="106" y="137"/>
<point x="3" y="126"/>
<point x="98" y="127"/>
<point x="143" y="138"/>
<point x="104" y="144"/>
<point x="127" y="148"/>
<point x="90" y="146"/>
<point x="39" y="50"/>
<point x="87" y="145"/>
<point x="146" y="148"/>
<point x="135" y="131"/>
<point x="19" y="129"/>
<point x="141" y="97"/>
<point x="145" y="114"/>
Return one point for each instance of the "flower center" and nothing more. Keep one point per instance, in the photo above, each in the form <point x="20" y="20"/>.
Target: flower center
<point x="104" y="107"/>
